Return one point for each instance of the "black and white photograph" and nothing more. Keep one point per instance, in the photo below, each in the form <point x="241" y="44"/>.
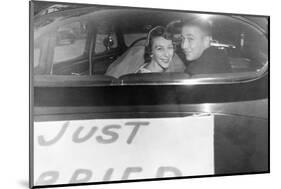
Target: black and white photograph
<point x="124" y="94"/>
<point x="121" y="94"/>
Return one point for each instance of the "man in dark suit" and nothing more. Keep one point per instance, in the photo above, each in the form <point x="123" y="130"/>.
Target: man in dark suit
<point x="201" y="57"/>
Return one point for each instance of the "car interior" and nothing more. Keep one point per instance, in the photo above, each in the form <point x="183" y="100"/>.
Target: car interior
<point x="100" y="50"/>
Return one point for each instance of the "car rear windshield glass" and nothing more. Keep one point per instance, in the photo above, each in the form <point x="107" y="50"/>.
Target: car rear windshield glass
<point x="143" y="46"/>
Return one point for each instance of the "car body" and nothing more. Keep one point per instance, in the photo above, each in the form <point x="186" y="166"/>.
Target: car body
<point x="72" y="52"/>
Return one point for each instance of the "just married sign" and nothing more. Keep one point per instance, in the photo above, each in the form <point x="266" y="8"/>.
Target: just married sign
<point x="96" y="150"/>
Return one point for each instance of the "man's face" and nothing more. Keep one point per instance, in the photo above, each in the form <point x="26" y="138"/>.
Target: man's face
<point x="194" y="42"/>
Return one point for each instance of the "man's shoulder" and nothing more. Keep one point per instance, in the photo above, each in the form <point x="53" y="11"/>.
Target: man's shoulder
<point x="215" y="53"/>
<point x="212" y="61"/>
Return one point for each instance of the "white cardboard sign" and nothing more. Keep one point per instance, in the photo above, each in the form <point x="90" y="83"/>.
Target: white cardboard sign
<point x="81" y="151"/>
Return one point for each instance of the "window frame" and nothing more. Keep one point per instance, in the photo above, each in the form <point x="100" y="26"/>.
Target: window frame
<point x="122" y="46"/>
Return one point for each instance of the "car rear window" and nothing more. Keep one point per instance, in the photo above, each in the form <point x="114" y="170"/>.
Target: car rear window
<point x="116" y="44"/>
<point x="70" y="42"/>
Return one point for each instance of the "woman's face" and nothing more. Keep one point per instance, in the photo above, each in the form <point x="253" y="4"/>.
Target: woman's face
<point x="162" y="51"/>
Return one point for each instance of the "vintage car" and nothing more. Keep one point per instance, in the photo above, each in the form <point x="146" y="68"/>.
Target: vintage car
<point x="71" y="51"/>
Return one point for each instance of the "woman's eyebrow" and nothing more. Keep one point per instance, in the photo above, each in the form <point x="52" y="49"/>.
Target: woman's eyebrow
<point x="158" y="46"/>
<point x="162" y="46"/>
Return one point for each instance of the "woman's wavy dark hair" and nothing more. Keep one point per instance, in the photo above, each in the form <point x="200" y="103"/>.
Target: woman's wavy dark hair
<point x="158" y="31"/>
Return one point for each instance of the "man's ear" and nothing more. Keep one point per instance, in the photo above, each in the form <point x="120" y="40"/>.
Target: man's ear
<point x="207" y="41"/>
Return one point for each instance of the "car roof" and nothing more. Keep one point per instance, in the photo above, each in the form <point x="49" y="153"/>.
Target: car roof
<point x="131" y="19"/>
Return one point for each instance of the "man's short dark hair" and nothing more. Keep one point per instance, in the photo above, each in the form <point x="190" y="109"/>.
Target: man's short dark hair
<point x="203" y="25"/>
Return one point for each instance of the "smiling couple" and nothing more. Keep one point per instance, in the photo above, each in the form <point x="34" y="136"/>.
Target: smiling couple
<point x="159" y="52"/>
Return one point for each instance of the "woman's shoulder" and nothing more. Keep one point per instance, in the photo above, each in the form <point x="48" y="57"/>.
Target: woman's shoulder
<point x="143" y="69"/>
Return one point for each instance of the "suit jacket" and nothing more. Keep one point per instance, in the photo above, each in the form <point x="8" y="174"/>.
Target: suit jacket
<point x="211" y="61"/>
